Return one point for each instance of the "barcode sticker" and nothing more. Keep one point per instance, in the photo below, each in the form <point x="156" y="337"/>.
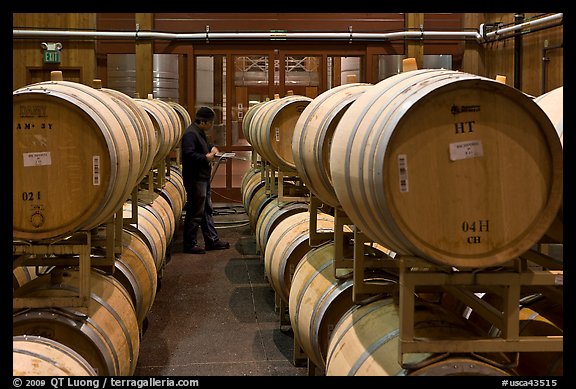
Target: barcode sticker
<point x="95" y="170"/>
<point x="277" y="134"/>
<point x="403" y="172"/>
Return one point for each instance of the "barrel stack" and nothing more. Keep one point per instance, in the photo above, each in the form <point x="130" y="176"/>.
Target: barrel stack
<point x="98" y="197"/>
<point x="432" y="188"/>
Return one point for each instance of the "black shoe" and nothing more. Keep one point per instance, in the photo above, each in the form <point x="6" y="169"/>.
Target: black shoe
<point x="194" y="250"/>
<point x="218" y="245"/>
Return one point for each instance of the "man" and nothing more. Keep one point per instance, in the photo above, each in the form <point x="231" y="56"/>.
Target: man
<point x="197" y="156"/>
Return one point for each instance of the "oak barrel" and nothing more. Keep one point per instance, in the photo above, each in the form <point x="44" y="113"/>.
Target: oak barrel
<point x="247" y="120"/>
<point x="317" y="300"/>
<point x="287" y="245"/>
<point x="147" y="137"/>
<point x="365" y="342"/>
<point x="174" y="192"/>
<point x="553" y="104"/>
<point x="136" y="270"/>
<point x="272" y="127"/>
<point x="151" y="229"/>
<point x="76" y="158"/>
<point x="251" y="182"/>
<point x="166" y="124"/>
<point x="39" y="356"/>
<point x="256" y="204"/>
<point x="107" y="336"/>
<point x="272" y="214"/>
<point x="451" y="167"/>
<point x="313" y="134"/>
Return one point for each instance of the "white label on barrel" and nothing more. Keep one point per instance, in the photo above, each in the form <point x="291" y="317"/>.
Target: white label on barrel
<point x="277" y="134"/>
<point x="42" y="158"/>
<point x="466" y="150"/>
<point x="95" y="170"/>
<point x="403" y="172"/>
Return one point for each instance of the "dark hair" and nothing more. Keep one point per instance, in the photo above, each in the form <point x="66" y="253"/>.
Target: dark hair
<point x="204" y="114"/>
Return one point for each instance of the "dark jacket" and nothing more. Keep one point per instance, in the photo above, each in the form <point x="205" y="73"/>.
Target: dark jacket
<point x="195" y="146"/>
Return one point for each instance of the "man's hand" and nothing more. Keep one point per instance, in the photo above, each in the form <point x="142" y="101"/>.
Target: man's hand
<point x="212" y="154"/>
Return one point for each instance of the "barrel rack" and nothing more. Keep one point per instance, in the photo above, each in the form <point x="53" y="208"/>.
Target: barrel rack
<point x="416" y="273"/>
<point x="97" y="248"/>
<point x="534" y="270"/>
<point x="276" y="178"/>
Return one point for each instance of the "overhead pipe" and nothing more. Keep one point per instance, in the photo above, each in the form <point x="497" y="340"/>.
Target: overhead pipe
<point x="530" y="23"/>
<point x="480" y="35"/>
<point x="272" y="35"/>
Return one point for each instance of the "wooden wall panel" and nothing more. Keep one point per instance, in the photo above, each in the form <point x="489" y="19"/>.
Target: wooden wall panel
<point x="499" y="56"/>
<point x="265" y="21"/>
<point x="77" y="58"/>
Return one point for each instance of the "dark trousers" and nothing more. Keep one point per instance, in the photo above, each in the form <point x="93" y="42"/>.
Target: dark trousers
<point x="199" y="214"/>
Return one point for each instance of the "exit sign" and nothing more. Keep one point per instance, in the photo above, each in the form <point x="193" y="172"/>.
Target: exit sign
<point x="51" y="56"/>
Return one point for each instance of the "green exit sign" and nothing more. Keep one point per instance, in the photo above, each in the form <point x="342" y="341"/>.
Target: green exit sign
<point x="51" y="56"/>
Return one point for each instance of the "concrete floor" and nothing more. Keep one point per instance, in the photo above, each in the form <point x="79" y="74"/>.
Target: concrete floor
<point x="214" y="314"/>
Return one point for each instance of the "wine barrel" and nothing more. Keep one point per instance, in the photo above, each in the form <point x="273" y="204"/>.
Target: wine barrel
<point x="317" y="300"/>
<point x="272" y="128"/>
<point x="254" y="174"/>
<point x="256" y="204"/>
<point x="366" y="339"/>
<point x="107" y="336"/>
<point x="250" y="184"/>
<point x="287" y="245"/>
<point x="136" y="270"/>
<point x="451" y="167"/>
<point x="21" y="275"/>
<point x="76" y="158"/>
<point x="313" y="134"/>
<point x="538" y="316"/>
<point x="39" y="356"/>
<point x="147" y="139"/>
<point x="272" y="214"/>
<point x="533" y="322"/>
<point x="247" y="120"/>
<point x="183" y="115"/>
<point x="166" y="124"/>
<point x="151" y="229"/>
<point x="174" y="192"/>
<point x="165" y="214"/>
<point x="553" y="104"/>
